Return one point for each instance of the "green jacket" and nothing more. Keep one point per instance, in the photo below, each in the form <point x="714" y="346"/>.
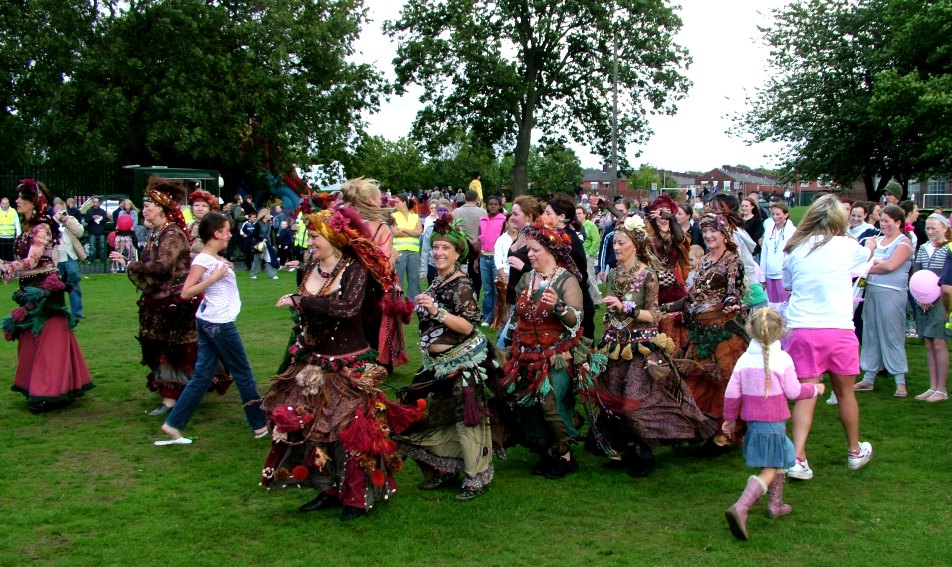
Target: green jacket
<point x="592" y="239"/>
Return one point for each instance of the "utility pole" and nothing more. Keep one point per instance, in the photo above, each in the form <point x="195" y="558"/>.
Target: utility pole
<point x="614" y="105"/>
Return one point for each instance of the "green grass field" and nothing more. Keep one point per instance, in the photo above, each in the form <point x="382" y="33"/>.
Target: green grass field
<point x="86" y="486"/>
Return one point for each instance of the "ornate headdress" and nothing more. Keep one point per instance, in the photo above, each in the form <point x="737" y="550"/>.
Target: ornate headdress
<point x="557" y="241"/>
<point x="719" y="222"/>
<point x="451" y="230"/>
<point x="167" y="194"/>
<point x="346" y="231"/>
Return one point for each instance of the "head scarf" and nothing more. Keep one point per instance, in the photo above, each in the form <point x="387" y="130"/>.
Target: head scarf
<point x="346" y="231"/>
<point x="35" y="192"/>
<point x="557" y="241"/>
<point x="451" y="230"/>
<point x="664" y="201"/>
<point x="202" y="195"/>
<point x="718" y="221"/>
<point x="166" y="194"/>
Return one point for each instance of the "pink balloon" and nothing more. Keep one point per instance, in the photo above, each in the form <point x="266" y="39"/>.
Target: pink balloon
<point x="924" y="286"/>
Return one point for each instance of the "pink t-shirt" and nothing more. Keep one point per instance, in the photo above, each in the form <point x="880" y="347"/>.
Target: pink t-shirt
<point x="221" y="303"/>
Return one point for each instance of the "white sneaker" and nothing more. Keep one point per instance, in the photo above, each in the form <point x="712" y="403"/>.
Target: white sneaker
<point x="858" y="460"/>
<point x="800" y="471"/>
<point x="832" y="401"/>
<point x="254" y="277"/>
<point x="275" y="277"/>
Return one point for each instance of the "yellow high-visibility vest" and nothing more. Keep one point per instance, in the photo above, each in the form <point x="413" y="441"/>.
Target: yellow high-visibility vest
<point x="300" y="237"/>
<point x="8" y="223"/>
<point x="409" y="222"/>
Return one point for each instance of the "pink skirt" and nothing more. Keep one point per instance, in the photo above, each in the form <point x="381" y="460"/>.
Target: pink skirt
<point x="776" y="292"/>
<point x="817" y="351"/>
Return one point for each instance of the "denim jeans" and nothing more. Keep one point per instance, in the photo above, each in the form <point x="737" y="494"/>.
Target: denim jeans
<point x="97" y="247"/>
<point x="408" y="266"/>
<point x="487" y="272"/>
<point x="218" y="340"/>
<point x="75" y="296"/>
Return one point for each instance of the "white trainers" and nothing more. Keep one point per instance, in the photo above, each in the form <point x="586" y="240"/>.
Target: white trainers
<point x="859" y="459"/>
<point x="800" y="471"/>
<point x="832" y="401"/>
<point x="275" y="277"/>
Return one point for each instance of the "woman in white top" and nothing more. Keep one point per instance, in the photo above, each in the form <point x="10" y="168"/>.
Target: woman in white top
<point x="778" y="230"/>
<point x="501" y="257"/>
<point x="218" y="336"/>
<point x="884" y="308"/>
<point x="818" y="272"/>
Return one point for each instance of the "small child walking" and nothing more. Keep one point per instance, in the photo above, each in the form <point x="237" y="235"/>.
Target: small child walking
<point x="763" y="380"/>
<point x="217" y="334"/>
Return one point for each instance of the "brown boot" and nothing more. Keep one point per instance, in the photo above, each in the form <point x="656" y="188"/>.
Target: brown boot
<point x="775" y="505"/>
<point x="737" y="514"/>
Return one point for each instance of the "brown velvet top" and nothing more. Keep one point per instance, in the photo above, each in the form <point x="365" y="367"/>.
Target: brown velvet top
<point x="164" y="265"/>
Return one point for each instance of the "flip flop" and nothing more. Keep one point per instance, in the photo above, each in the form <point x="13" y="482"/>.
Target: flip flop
<point x="179" y="441"/>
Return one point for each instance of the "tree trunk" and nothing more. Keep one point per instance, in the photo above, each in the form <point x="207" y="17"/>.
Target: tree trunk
<point x="519" y="175"/>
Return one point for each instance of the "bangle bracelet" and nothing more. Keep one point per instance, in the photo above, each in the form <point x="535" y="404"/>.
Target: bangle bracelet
<point x="441" y="315"/>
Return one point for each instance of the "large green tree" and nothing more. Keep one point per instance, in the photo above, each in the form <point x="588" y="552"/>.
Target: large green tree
<point x="238" y="85"/>
<point x="859" y="90"/>
<point x="506" y="68"/>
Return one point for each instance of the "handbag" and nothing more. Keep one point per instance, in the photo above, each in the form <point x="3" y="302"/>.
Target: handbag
<point x="259" y="247"/>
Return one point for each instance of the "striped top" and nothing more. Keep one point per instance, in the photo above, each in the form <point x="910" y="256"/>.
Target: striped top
<point x="931" y="258"/>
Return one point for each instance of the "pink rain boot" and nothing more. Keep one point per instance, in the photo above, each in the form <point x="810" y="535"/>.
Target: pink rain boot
<point x="775" y="505"/>
<point x="737" y="514"/>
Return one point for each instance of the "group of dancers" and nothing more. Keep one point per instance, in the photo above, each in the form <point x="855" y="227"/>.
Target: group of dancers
<point x="701" y="368"/>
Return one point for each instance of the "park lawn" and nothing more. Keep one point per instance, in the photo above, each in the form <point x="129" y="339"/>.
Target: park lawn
<point x="85" y="485"/>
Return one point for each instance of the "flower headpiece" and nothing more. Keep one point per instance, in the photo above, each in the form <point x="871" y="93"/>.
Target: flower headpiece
<point x="166" y="194"/>
<point x="634" y="226"/>
<point x="719" y="222"/>
<point x="557" y="241"/>
<point x="451" y="230"/>
<point x="346" y="231"/>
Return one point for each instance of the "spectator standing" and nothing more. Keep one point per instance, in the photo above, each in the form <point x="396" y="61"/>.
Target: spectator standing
<point x="9" y="229"/>
<point x="285" y="243"/>
<point x="96" y="226"/>
<point x="406" y="240"/>
<point x="67" y="255"/>
<point x="591" y="242"/>
<point x="470" y="214"/>
<point x="264" y="253"/>
<point x="491" y="228"/>
<point x="931" y="318"/>
<point x="476" y="185"/>
<point x="427" y="265"/>
<point x="237" y="215"/>
<point x="778" y="230"/>
<point x="249" y="206"/>
<point x="73" y="209"/>
<point x="247" y="238"/>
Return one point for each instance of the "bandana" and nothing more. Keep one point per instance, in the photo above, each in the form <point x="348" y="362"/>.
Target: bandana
<point x="451" y="230"/>
<point x="557" y="241"/>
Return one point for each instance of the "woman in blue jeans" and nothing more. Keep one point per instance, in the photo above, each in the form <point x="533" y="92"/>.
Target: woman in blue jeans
<point x="217" y="334"/>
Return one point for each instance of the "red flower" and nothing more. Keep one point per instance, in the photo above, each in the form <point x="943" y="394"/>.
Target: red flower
<point x="421" y="404"/>
<point x="338" y="222"/>
<point x="300" y="473"/>
<point x="18" y="314"/>
<point x="377" y="478"/>
<point x="7" y="335"/>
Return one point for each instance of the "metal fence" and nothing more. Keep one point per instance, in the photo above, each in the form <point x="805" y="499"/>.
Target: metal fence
<point x="62" y="182"/>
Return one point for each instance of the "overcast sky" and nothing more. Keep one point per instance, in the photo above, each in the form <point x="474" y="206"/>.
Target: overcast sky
<point x="729" y="63"/>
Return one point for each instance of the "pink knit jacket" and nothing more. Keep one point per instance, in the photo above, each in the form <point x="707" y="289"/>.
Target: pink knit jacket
<point x="747" y="392"/>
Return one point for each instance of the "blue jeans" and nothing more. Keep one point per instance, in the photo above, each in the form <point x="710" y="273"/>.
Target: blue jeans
<point x="218" y="340"/>
<point x="97" y="247"/>
<point x="75" y="296"/>
<point x="408" y="266"/>
<point x="487" y="272"/>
